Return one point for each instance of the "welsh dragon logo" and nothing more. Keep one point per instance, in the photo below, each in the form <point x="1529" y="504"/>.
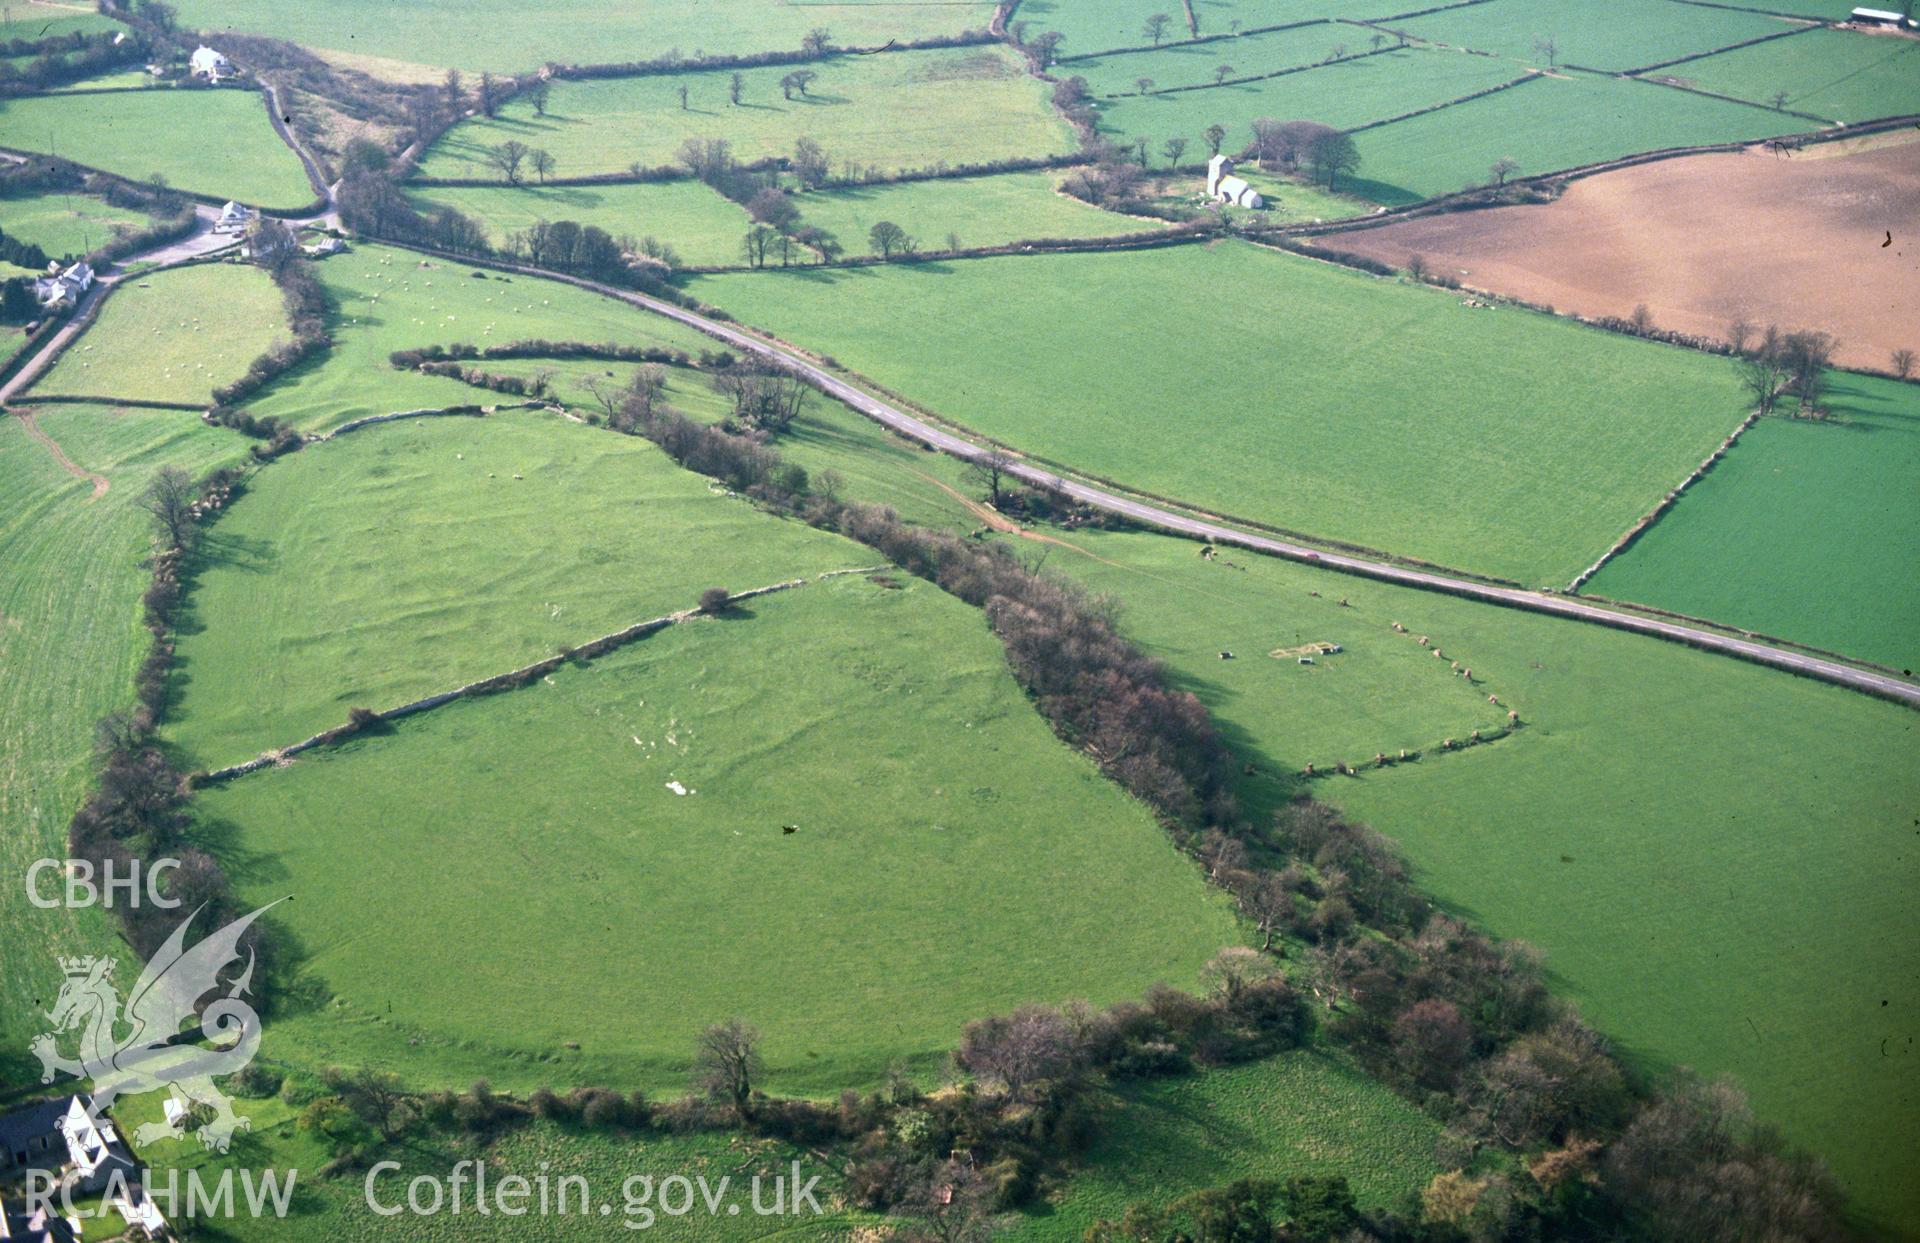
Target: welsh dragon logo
<point x="152" y="1055"/>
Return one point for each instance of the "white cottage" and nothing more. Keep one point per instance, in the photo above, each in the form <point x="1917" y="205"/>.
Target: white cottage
<point x="234" y="218"/>
<point x="209" y="64"/>
<point x="1224" y="187"/>
<point x="59" y="290"/>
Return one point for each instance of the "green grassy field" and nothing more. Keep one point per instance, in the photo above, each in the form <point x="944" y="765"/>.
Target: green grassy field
<point x="1191" y="64"/>
<point x="513" y="36"/>
<point x="407" y="559"/>
<point x="1709" y="893"/>
<point x="688" y="389"/>
<point x="981" y="211"/>
<point x="1097" y="25"/>
<point x="1546" y="125"/>
<point x="1839" y="74"/>
<point x="898" y="110"/>
<point x="140" y="133"/>
<point x="135" y="79"/>
<point x="1621" y="35"/>
<point x="32" y="22"/>
<point x="174" y="336"/>
<point x="1351" y="93"/>
<point x="702" y="227"/>
<point x="384" y="301"/>
<point x="70" y="639"/>
<point x="64" y="224"/>
<point x="1382" y="693"/>
<point x="1794" y="532"/>
<point x="1353" y="408"/>
<point x="997" y="874"/>
<point x="1300" y="1113"/>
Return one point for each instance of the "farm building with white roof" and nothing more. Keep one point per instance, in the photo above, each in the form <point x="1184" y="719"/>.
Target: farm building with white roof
<point x="1224" y="187"/>
<point x="207" y="63"/>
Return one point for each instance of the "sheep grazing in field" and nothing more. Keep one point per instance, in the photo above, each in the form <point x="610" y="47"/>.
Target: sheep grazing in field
<point x="1438" y="654"/>
<point x="1467" y="674"/>
<point x="1309" y="770"/>
<point x="1513" y="717"/>
<point x="1423" y="640"/>
<point x="1493" y="699"/>
<point x="1398" y="628"/>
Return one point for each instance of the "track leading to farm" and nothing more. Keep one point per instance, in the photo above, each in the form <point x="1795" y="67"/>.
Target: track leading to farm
<point x="99" y="482"/>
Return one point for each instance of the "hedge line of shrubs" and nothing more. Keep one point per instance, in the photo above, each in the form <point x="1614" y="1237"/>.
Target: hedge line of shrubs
<point x="139" y="809"/>
<point x="675" y="63"/>
<point x="536" y="347"/>
<point x="307" y="306"/>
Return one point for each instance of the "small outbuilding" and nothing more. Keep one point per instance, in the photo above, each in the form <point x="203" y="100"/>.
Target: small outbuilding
<point x="1881" y="17"/>
<point x="1224" y="187"/>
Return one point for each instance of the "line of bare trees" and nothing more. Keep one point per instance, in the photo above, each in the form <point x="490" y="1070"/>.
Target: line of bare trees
<point x="1775" y="365"/>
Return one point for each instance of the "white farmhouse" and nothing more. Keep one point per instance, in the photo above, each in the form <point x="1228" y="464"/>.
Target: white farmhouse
<point x="59" y="290"/>
<point x="234" y="218"/>
<point x="1224" y="187"/>
<point x="209" y="64"/>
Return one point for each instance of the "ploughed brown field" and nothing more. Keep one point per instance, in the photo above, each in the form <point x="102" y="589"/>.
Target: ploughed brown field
<point x="1704" y="240"/>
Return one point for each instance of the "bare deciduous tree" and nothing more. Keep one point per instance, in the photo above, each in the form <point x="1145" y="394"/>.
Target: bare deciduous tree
<point x="1155" y="27"/>
<point x="1018" y="1050"/>
<point x="169" y="498"/>
<point x="604" y="391"/>
<point x="988" y="470"/>
<point x="758" y="241"/>
<point x="1173" y="149"/>
<point x="735" y="85"/>
<point x="508" y="157"/>
<point x="1503" y="168"/>
<point x="887" y="238"/>
<point x="1215" y="134"/>
<point x="1903" y="363"/>
<point x="1332" y="155"/>
<point x="954" y="1205"/>
<point x="766" y="396"/>
<point x="727" y="1061"/>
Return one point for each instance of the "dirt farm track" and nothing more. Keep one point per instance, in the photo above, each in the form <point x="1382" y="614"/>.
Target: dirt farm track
<point x="1704" y="240"/>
